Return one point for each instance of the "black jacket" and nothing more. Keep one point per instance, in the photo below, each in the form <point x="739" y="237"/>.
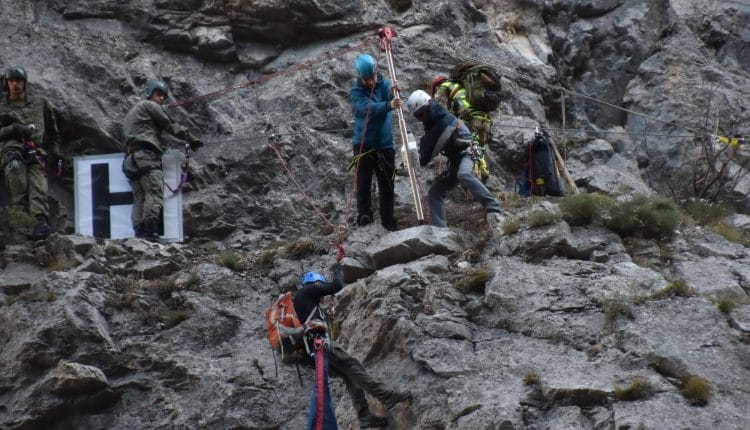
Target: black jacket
<point x="442" y="134"/>
<point x="308" y="297"/>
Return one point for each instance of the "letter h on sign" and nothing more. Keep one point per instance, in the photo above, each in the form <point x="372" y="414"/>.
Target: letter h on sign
<point x="104" y="198"/>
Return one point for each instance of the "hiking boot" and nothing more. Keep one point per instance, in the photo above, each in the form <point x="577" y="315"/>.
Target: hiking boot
<point x="495" y="220"/>
<point x="41" y="230"/>
<point x="151" y="232"/>
<point x="138" y="230"/>
<point x="364" y="219"/>
<point x="396" y="398"/>
<point x="390" y="225"/>
<point x="372" y="421"/>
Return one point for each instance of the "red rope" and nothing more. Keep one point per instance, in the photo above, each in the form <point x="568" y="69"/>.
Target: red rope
<point x="320" y="364"/>
<point x="253" y="82"/>
<point x="340" y="246"/>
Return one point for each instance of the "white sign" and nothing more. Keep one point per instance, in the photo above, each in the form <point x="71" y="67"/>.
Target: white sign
<point x="104" y="199"/>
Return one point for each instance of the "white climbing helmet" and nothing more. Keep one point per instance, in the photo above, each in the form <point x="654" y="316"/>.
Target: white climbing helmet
<point x="417" y="100"/>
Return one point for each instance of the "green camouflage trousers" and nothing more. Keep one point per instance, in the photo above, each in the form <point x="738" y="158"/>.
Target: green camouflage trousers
<point x="143" y="168"/>
<point x="27" y="186"/>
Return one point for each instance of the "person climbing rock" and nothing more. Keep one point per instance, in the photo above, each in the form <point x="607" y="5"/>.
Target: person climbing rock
<point x="445" y="134"/>
<point x="306" y="303"/>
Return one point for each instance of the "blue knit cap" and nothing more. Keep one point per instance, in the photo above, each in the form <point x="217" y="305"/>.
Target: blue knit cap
<point x="365" y="66"/>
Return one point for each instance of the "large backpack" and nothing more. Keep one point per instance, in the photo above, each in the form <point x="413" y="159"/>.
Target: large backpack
<point x="285" y="331"/>
<point x="541" y="176"/>
<point x="482" y="85"/>
<point x="284" y="327"/>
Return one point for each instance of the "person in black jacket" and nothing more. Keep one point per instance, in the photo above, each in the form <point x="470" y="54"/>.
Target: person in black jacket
<point x="306" y="302"/>
<point x="445" y="134"/>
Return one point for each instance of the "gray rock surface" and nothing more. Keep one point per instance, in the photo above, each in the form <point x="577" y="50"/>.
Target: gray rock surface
<point x="529" y="330"/>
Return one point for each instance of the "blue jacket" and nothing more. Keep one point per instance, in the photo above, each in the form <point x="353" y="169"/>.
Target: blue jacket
<point x="379" y="133"/>
<point x="441" y="134"/>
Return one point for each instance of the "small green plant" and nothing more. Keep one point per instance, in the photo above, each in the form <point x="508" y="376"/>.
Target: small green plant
<point x="301" y="248"/>
<point x="539" y="218"/>
<point x="732" y="234"/>
<point x="696" y="390"/>
<point x="511" y="226"/>
<point x="191" y="281"/>
<point x="726" y="304"/>
<point x="231" y="261"/>
<point x="531" y="378"/>
<point x="655" y="217"/>
<point x="678" y="287"/>
<point x="581" y="209"/>
<point x="639" y="388"/>
<point x="706" y="212"/>
<point x="113" y="251"/>
<point x="593" y="351"/>
<point x="474" y="283"/>
<point x="616" y="307"/>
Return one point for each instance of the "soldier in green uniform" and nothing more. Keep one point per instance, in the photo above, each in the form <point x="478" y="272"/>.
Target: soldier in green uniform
<point x="25" y="151"/>
<point x="143" y="127"/>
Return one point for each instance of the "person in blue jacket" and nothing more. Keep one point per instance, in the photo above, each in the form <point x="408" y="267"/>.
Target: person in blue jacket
<point x="445" y="134"/>
<point x="373" y="103"/>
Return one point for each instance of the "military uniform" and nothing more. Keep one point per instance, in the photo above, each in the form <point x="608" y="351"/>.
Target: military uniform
<point x="143" y="127"/>
<point x="28" y="183"/>
<point x="453" y="96"/>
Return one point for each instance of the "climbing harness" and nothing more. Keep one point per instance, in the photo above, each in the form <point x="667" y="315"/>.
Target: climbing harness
<point x="34" y="151"/>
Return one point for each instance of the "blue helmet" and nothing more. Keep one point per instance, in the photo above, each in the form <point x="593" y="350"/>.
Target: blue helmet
<point x="311" y="277"/>
<point x="365" y="66"/>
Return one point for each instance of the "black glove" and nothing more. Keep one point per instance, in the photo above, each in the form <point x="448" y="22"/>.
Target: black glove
<point x="23" y="130"/>
<point x="195" y="143"/>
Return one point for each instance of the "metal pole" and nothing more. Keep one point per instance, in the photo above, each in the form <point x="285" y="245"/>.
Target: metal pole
<point x="386" y="34"/>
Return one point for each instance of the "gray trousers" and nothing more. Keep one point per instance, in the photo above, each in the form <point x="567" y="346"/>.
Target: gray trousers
<point x="459" y="174"/>
<point x="357" y="379"/>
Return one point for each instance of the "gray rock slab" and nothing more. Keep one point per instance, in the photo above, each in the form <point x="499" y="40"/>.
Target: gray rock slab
<point x="412" y="243"/>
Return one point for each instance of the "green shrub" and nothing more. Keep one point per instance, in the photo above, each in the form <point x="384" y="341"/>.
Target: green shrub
<point x="511" y="226"/>
<point x="706" y="212"/>
<point x="678" y="287"/>
<point x="539" y="218"/>
<point x="639" y="388"/>
<point x="655" y="217"/>
<point x="301" y="248"/>
<point x="696" y="390"/>
<point x="475" y="282"/>
<point x="732" y="234"/>
<point x="114" y="251"/>
<point x="616" y="307"/>
<point x="581" y="209"/>
<point x="231" y="261"/>
<point x="531" y="378"/>
<point x="726" y="304"/>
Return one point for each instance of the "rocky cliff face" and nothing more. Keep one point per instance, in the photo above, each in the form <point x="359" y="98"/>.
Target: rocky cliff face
<point x="541" y="328"/>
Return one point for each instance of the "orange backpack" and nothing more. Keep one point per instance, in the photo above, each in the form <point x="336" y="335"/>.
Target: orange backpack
<point x="283" y="324"/>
